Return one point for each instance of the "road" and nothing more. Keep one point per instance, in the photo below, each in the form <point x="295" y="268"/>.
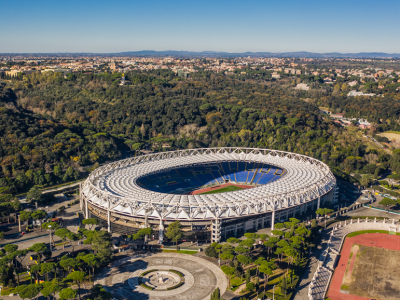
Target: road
<point x="70" y="221"/>
<point x="379" y="145"/>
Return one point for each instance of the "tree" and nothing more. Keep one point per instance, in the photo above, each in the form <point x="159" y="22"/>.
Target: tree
<point x="284" y="286"/>
<point x="92" y="261"/>
<point x="57" y="171"/>
<point x="248" y="275"/>
<point x="62" y="234"/>
<point x="174" y="232"/>
<point x="314" y="223"/>
<point x="235" y="282"/>
<point x="233" y="240"/>
<point x="68" y="263"/>
<point x="50" y="288"/>
<point x="270" y="244"/>
<point x="25" y="215"/>
<point x="211" y="252"/>
<point x="35" y="269"/>
<point x="38" y="248"/>
<point x="228" y="270"/>
<point x="34" y="194"/>
<point x="227" y="256"/>
<point x="248" y="243"/>
<point x="277" y="232"/>
<point x="302" y="231"/>
<point x="38" y="215"/>
<point x="68" y="293"/>
<point x="101" y="242"/>
<point x="366" y="181"/>
<point x="267" y="268"/>
<point x="46" y="268"/>
<point x="78" y="277"/>
<point x="242" y="250"/>
<point x="28" y="291"/>
<point x="100" y="293"/>
<point x="324" y="212"/>
<point x="245" y="260"/>
<point x="10" y="248"/>
<point x="386" y="202"/>
<point x="216" y="295"/>
<point x="250" y="286"/>
<point x="72" y="237"/>
<point x="91" y="221"/>
<point x="1" y="235"/>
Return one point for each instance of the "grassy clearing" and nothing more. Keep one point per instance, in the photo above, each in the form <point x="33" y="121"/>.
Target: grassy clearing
<point x="366" y="231"/>
<point x="344" y="287"/>
<point x="230" y="188"/>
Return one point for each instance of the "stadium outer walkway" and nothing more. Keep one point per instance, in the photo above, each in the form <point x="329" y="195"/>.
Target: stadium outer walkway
<point x="380" y="240"/>
<point x="301" y="292"/>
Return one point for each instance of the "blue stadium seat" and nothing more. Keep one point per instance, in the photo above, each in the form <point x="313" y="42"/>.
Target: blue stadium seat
<point x="241" y="176"/>
<point x="217" y="176"/>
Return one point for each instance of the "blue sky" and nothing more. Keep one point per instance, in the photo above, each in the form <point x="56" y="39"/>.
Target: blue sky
<point x="230" y="26"/>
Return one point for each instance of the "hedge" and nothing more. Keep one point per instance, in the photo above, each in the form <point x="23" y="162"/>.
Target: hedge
<point x="147" y="272"/>
<point x="175" y="286"/>
<point x="146" y="286"/>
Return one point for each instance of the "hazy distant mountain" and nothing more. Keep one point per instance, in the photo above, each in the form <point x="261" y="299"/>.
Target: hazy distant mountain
<point x="214" y="54"/>
<point x="258" y="54"/>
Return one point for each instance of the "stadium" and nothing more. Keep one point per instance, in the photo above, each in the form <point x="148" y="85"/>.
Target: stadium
<point x="213" y="192"/>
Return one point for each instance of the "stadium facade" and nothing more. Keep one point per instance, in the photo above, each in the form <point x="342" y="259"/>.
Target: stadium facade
<point x="157" y="189"/>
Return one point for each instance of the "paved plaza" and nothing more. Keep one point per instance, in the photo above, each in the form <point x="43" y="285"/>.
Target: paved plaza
<point x="201" y="277"/>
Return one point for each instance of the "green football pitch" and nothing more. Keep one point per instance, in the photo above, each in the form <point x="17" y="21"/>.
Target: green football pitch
<point x="230" y="188"/>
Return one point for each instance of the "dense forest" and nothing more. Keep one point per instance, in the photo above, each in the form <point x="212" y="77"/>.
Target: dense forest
<point x="51" y="124"/>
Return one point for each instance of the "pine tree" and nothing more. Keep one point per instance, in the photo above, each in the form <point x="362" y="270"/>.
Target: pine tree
<point x="284" y="286"/>
<point x="248" y="276"/>
<point x="292" y="229"/>
<point x="216" y="295"/>
<point x="314" y="223"/>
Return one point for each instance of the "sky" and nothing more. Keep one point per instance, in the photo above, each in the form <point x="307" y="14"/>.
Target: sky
<point x="100" y="26"/>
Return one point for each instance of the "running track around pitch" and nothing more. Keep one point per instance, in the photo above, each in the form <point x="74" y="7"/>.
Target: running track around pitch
<point x="380" y="240"/>
<point x="219" y="187"/>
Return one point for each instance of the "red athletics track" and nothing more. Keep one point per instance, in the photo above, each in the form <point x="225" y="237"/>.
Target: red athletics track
<point x="380" y="240"/>
<point x="218" y="187"/>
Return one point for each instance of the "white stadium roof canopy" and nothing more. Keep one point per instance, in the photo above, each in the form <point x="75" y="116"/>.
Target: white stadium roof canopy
<point x="113" y="187"/>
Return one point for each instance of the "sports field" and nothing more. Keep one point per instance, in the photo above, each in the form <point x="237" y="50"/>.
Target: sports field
<point x="369" y="268"/>
<point x="223" y="190"/>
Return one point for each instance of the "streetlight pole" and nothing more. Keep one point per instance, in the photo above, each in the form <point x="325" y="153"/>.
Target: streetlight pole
<point x="273" y="293"/>
<point x="50" y="238"/>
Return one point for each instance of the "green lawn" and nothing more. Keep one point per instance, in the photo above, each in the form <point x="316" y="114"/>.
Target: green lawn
<point x="368" y="231"/>
<point x="230" y="188"/>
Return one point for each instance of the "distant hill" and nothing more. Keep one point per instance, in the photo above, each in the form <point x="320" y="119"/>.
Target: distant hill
<point x="259" y="54"/>
<point x="214" y="54"/>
